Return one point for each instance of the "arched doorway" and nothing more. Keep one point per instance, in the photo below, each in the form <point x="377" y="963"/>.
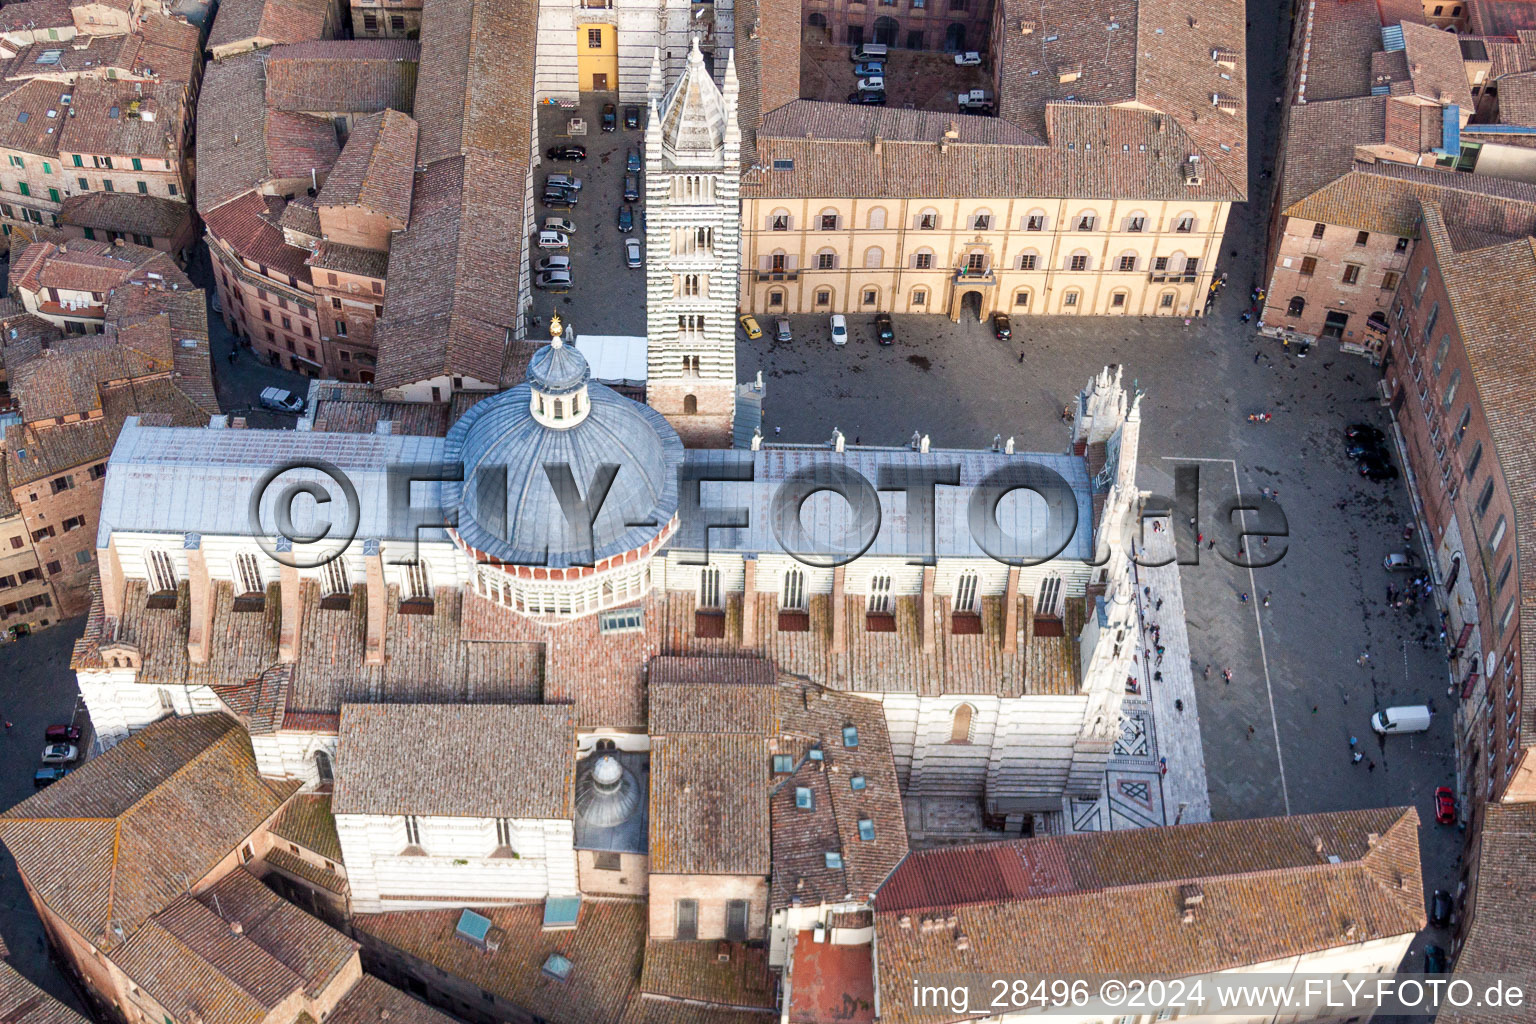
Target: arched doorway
<point x="816" y="28"/>
<point x="954" y="38"/>
<point x="885" y="31"/>
<point x="970" y="305"/>
<point x="323" y="768"/>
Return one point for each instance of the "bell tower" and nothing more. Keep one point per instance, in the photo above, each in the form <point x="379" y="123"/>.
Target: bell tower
<point x="693" y="250"/>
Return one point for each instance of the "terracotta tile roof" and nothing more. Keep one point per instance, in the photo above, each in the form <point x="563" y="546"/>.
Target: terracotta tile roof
<point x="1385" y="197"/>
<point x="349" y="259"/>
<point x="1517" y="99"/>
<point x="93" y="127"/>
<point x="1500" y="17"/>
<point x="648" y="1010"/>
<point x="709" y="804"/>
<point x="22" y="1002"/>
<point x="313" y="950"/>
<point x="108" y="846"/>
<point x="479" y="761"/>
<point x="247" y="226"/>
<point x="8" y="506"/>
<point x="812" y="119"/>
<point x="372" y="1000"/>
<point x="1489" y="300"/>
<point x="300" y="218"/>
<point x="1321" y="139"/>
<point x="605" y="950"/>
<point x="812" y="717"/>
<point x="1112" y="901"/>
<point x="343" y="75"/>
<point x="300" y="868"/>
<point x="451" y="307"/>
<point x="38" y="14"/>
<point x="1339" y="40"/>
<point x="830" y="983"/>
<point x="751" y="103"/>
<point x="35" y="452"/>
<point x="24" y="122"/>
<point x="307" y="821"/>
<point x="359" y="409"/>
<point x="1119" y="153"/>
<point x="1499" y="939"/>
<point x="127" y="213"/>
<point x="376" y="169"/>
<point x="84" y="54"/>
<point x="231" y="143"/>
<point x="183" y="314"/>
<point x="84" y="265"/>
<point x="711" y="695"/>
<point x="269" y="21"/>
<point x="695" y="971"/>
<point x="170" y="47"/>
<point x="298" y="144"/>
<point x="1435" y="64"/>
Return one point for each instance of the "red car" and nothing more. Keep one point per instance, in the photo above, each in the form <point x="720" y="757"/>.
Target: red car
<point x="1445" y="806"/>
<point x="62" y="734"/>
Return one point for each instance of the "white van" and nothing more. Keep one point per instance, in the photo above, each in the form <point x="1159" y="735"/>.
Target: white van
<point x="870" y="51"/>
<point x="1409" y="718"/>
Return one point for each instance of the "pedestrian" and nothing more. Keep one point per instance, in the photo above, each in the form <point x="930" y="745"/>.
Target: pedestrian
<point x="1266" y="598"/>
<point x="1178" y="705"/>
<point x="1199" y="539"/>
<point x="1356" y="757"/>
<point x="1021" y="357"/>
<point x="1157" y="677"/>
<point x="1207" y="670"/>
<point x="1159" y="606"/>
<point x="1256" y="356"/>
<point x="1314" y="709"/>
<point x="1370" y="766"/>
<point x="1162" y="764"/>
<point x="1210" y="545"/>
<point x="231" y="356"/>
<point x="857" y="439"/>
<point x="777" y="431"/>
<point x="7" y="723"/>
<point x="1353" y="742"/>
<point x="1365" y="656"/>
<point x="1226" y="676"/>
<point x="1243" y="597"/>
<point x="1250" y="732"/>
<point x="1147" y="592"/>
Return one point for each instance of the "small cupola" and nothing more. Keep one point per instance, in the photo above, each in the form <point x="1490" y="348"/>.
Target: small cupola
<point x="557" y="378"/>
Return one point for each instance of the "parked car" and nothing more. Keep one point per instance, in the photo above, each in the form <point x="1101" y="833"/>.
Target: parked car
<point x="749" y="324"/>
<point x="632" y="253"/>
<point x="1002" y="327"/>
<point x="839" y="329"/>
<point x="632" y="159"/>
<point x="873" y="67"/>
<point x="1440" y="908"/>
<point x="60" y="753"/>
<point x="976" y="101"/>
<point x="781" y="330"/>
<point x="62" y="734"/>
<point x="569" y="181"/>
<point x="1400" y="561"/>
<point x="1363" y="432"/>
<point x="559" y="224"/>
<point x="631" y="117"/>
<point x="553" y="280"/>
<point x="626" y="218"/>
<point x="280" y="400"/>
<point x="555" y="263"/>
<point x="48" y="776"/>
<point x="1445" y="806"/>
<point x="885" y="332"/>
<point x="968" y="59"/>
<point x="631" y="188"/>
<point x="872" y="83"/>
<point x="1365" y="450"/>
<point x="1407" y="718"/>
<point x="610" y="117"/>
<point x="867" y="98"/>
<point x="1434" y="959"/>
<point x="577" y="153"/>
<point x="1377" y="467"/>
<point x="554" y="240"/>
<point x="559" y="199"/>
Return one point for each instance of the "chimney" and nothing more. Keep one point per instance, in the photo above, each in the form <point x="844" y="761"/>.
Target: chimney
<point x="879" y="145"/>
<point x="1191" y="895"/>
<point x="962" y="942"/>
<point x="200" y="600"/>
<point x="378" y="595"/>
<point x="237" y="927"/>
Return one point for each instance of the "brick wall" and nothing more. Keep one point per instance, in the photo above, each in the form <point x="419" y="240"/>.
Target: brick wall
<point x="708" y="425"/>
<point x="1344" y="271"/>
<point x="712" y="892"/>
<point x="61" y="515"/>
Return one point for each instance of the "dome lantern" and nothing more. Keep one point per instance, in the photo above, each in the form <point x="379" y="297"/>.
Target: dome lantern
<point x="557" y="381"/>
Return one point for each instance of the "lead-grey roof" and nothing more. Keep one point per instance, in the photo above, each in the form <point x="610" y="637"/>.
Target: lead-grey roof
<point x="499" y="435"/>
<point x="200" y="480"/>
<point x="558" y="370"/>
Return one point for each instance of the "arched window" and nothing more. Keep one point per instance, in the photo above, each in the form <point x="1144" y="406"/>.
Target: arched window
<point x="1127" y="261"/>
<point x="1069" y="299"/>
<point x="1078" y="260"/>
<point x="690" y="405"/>
<point x="776" y="299"/>
<point x="981" y="220"/>
<point x="1021" y="298"/>
<point x="1450" y="391"/>
<point x="792" y="599"/>
<point x="874" y="257"/>
<point x="1029" y="259"/>
<point x="1034" y="220"/>
<point x="928" y="219"/>
<point x="323" y="769"/>
<point x="876" y="219"/>
<point x="778" y="261"/>
<point x="605" y="745"/>
<point x="559" y="409"/>
<point x="827" y="220"/>
<point x="960" y="724"/>
<point x="922" y="259"/>
<point x="826" y="259"/>
<point x="1297" y="305"/>
<point x="1136" y="221"/>
<point x="965" y="592"/>
<point x="1085" y="221"/>
<point x="779" y="220"/>
<point x="1184" y="223"/>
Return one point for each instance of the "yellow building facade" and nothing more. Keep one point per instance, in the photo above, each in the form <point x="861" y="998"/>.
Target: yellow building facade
<point x="597" y="56"/>
<point x="976" y="256"/>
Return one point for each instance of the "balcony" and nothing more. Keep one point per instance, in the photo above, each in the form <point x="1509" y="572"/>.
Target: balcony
<point x="969" y="275"/>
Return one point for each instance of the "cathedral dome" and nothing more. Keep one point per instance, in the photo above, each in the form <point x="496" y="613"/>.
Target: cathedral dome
<point x="558" y="429"/>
